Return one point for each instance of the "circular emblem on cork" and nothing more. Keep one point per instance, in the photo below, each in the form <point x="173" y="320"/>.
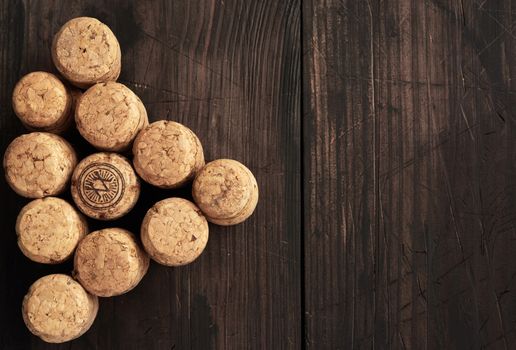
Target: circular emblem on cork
<point x="101" y="185"/>
<point x="105" y="186"/>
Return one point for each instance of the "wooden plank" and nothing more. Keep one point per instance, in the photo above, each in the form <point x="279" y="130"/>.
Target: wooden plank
<point x="409" y="174"/>
<point x="230" y="70"/>
<point x="12" y="282"/>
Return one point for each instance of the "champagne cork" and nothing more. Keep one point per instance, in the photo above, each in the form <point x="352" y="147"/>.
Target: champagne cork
<point x="49" y="229"/>
<point x="226" y="191"/>
<point x="174" y="232"/>
<point x="109" y="262"/>
<point x="167" y="154"/>
<point x="39" y="164"/>
<point x="109" y="116"/>
<point x="86" y="52"/>
<point x="42" y="102"/>
<point x="105" y="186"/>
<point x="57" y="309"/>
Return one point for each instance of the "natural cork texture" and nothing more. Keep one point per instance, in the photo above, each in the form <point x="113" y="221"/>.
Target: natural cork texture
<point x="109" y="262"/>
<point x="105" y="186"/>
<point x="42" y="102"/>
<point x="86" y="52"/>
<point x="226" y="191"/>
<point x="49" y="229"/>
<point x="109" y="116"/>
<point x="174" y="232"/>
<point x="39" y="164"/>
<point x="57" y="309"/>
<point x="167" y="154"/>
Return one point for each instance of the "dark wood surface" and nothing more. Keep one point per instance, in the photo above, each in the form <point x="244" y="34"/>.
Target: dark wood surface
<point x="382" y="135"/>
<point x="410" y="174"/>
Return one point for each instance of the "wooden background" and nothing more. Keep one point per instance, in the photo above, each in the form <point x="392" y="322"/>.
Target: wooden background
<point x="382" y="134"/>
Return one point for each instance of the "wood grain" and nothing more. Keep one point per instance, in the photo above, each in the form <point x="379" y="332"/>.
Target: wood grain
<point x="409" y="174"/>
<point x="382" y="137"/>
<point x="230" y="70"/>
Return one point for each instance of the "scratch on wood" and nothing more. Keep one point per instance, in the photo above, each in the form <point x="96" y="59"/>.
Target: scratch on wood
<point x="174" y="49"/>
<point x="481" y="8"/>
<point x="467" y="123"/>
<point x="144" y="79"/>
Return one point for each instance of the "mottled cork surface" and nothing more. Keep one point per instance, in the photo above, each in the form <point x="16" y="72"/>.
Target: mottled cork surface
<point x="57" y="309"/>
<point x="109" y="116"/>
<point x="167" y="154"/>
<point x="226" y="191"/>
<point x="42" y="102"/>
<point x="39" y="164"/>
<point x="174" y="232"/>
<point x="49" y="229"/>
<point x="109" y="262"/>
<point x="86" y="52"/>
<point x="104" y="186"/>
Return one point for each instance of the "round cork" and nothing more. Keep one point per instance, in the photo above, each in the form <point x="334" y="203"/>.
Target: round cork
<point x="39" y="164"/>
<point x="226" y="191"/>
<point x="109" y="116"/>
<point x="57" y="309"/>
<point x="167" y="154"/>
<point x="174" y="232"/>
<point x="105" y="186"/>
<point x="86" y="52"/>
<point x="49" y="229"/>
<point x="109" y="262"/>
<point x="42" y="102"/>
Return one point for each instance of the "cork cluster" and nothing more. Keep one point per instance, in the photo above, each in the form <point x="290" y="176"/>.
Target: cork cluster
<point x="49" y="229"/>
<point x="39" y="164"/>
<point x="174" y="232"/>
<point x="109" y="262"/>
<point x="106" y="185"/>
<point x="58" y="309"/>
<point x="42" y="102"/>
<point x="167" y="154"/>
<point x="109" y="116"/>
<point x="85" y="51"/>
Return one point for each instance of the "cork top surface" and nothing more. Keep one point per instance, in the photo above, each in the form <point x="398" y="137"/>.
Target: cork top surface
<point x="57" y="309"/>
<point x="174" y="232"/>
<point x="223" y="188"/>
<point x="109" y="262"/>
<point x="105" y="186"/>
<point x="49" y="229"/>
<point x="41" y="100"/>
<point x="167" y="154"/>
<point x="109" y="115"/>
<point x="86" y="51"/>
<point x="39" y="164"/>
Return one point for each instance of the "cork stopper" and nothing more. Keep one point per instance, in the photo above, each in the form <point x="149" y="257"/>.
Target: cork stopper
<point x="109" y="116"/>
<point x="57" y="309"/>
<point x="109" y="262"/>
<point x="49" y="229"/>
<point x="167" y="154"/>
<point x="86" y="52"/>
<point x="39" y="164"/>
<point x="105" y="186"/>
<point x="174" y="232"/>
<point x="42" y="102"/>
<point x="226" y="191"/>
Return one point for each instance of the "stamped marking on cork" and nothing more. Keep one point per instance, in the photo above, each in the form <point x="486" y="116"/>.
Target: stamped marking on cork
<point x="101" y="185"/>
